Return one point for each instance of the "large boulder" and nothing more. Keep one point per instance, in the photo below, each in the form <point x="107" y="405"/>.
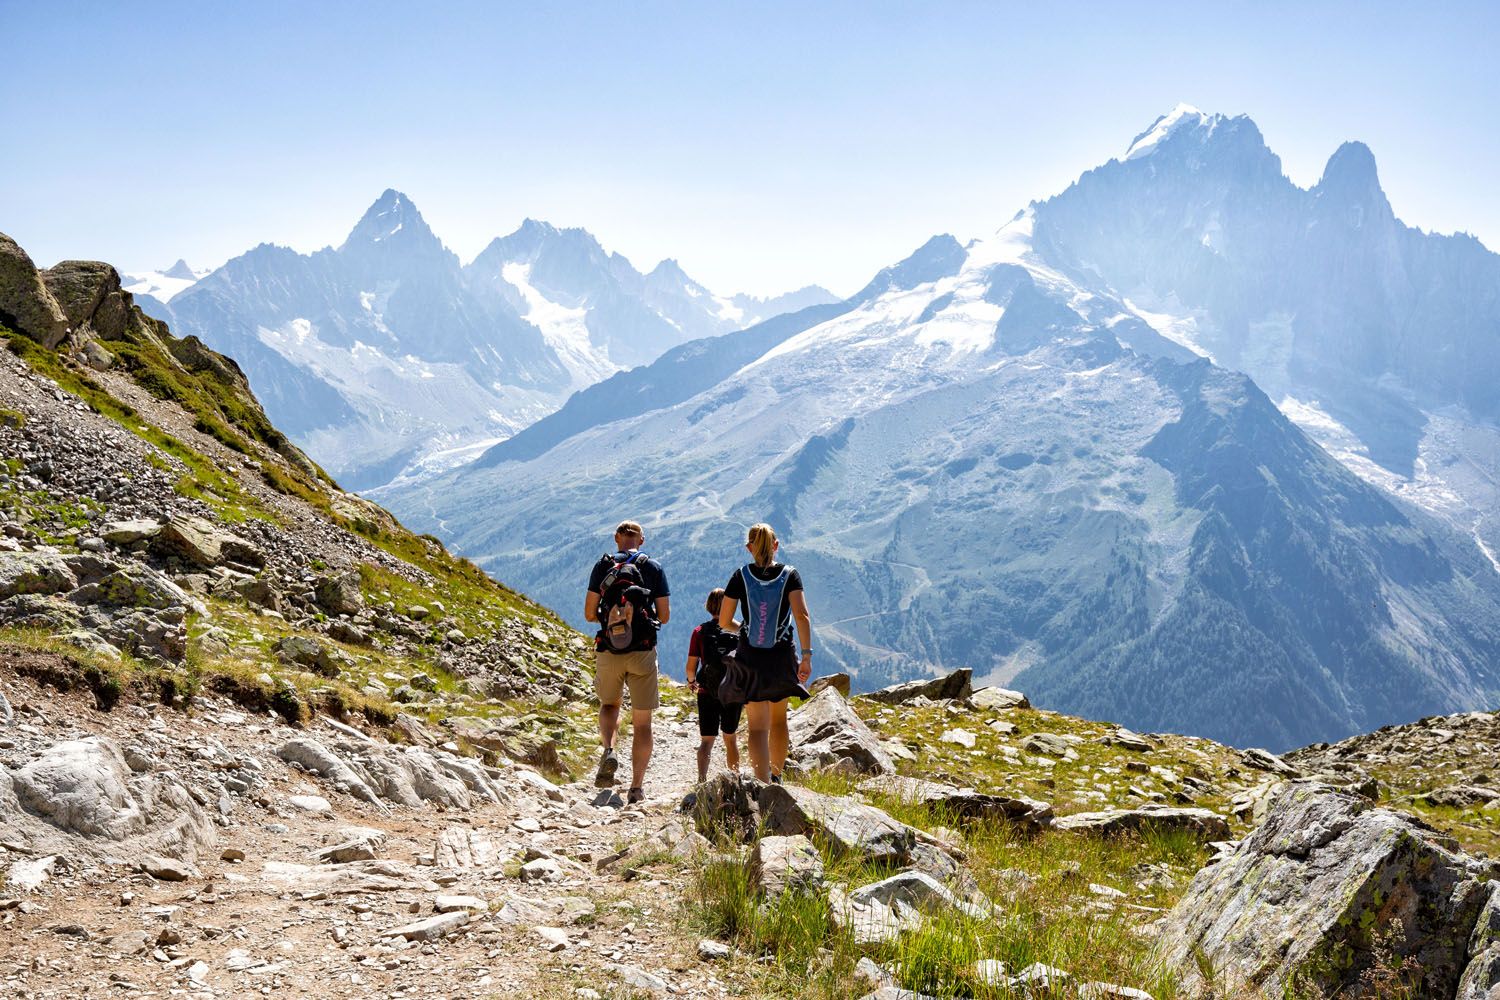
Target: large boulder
<point x="826" y="731"/>
<point x="34" y="573"/>
<point x="202" y="543"/>
<point x="846" y="824"/>
<point x="1325" y="890"/>
<point x="958" y="685"/>
<point x="340" y="594"/>
<point x="24" y="299"/>
<point x="1205" y="823"/>
<point x="744" y="808"/>
<point x="1029" y="814"/>
<point x="81" y="797"/>
<point x="89" y="293"/>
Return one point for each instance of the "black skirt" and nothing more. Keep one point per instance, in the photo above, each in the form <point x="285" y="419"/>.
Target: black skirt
<point x="772" y="673"/>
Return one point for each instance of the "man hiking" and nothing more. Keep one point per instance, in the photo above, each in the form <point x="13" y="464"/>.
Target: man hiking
<point x="629" y="598"/>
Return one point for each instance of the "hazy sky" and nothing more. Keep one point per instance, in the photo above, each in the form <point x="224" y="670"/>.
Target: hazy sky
<point x="764" y="145"/>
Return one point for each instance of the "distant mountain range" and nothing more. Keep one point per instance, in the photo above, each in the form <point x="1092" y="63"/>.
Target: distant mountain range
<point x="1031" y="454"/>
<point x="387" y="357"/>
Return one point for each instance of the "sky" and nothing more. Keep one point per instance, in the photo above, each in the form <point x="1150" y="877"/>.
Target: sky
<point x="764" y="146"/>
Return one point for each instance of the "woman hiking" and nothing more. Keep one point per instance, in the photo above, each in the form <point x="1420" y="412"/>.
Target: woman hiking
<point x="773" y="598"/>
<point x="705" y="669"/>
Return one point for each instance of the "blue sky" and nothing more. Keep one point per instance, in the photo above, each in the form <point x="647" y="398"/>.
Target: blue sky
<point x="763" y="145"/>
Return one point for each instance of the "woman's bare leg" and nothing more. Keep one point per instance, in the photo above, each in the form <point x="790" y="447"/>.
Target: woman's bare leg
<point x="758" y="738"/>
<point x="780" y="741"/>
<point x="732" y="751"/>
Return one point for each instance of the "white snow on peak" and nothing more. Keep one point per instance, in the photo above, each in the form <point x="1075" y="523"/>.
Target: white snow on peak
<point x="565" y="329"/>
<point x="1147" y="141"/>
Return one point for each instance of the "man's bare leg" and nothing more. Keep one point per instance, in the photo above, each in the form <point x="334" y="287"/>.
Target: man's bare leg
<point x="732" y="751"/>
<point x="609" y="729"/>
<point x="640" y="745"/>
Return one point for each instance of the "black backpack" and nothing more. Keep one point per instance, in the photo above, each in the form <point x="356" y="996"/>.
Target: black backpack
<point x="714" y="644"/>
<point x="625" y="622"/>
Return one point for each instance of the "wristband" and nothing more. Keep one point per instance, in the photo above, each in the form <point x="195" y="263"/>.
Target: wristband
<point x="807" y="652"/>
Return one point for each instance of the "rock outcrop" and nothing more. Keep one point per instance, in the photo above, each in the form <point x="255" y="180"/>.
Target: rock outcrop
<point x="1324" y="891"/>
<point x="966" y="803"/>
<point x="24" y="299"/>
<point x="826" y="731"/>
<point x="958" y="685"/>
<point x="82" y="797"/>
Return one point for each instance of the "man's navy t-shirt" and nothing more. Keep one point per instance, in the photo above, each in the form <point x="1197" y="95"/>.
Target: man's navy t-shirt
<point x="652" y="575"/>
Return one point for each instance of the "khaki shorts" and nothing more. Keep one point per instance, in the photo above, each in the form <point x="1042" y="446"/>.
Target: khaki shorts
<point x="612" y="671"/>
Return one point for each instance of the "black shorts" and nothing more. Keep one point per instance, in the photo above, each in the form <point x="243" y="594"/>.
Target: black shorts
<point x="715" y="717"/>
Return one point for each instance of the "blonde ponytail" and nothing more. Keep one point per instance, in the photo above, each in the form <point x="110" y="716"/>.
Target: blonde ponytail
<point x="761" y="540"/>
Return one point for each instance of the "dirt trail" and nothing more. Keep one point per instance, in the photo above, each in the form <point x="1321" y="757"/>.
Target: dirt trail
<point x="280" y="922"/>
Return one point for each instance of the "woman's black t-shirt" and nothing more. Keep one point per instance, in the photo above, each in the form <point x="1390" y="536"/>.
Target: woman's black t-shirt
<point x="735" y="588"/>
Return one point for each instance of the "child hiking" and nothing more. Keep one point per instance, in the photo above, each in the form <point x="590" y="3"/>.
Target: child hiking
<point x="629" y="598"/>
<point x="705" y="669"/>
<point x="773" y="599"/>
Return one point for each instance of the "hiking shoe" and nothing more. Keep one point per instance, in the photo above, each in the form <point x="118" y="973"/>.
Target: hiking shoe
<point x="608" y="765"/>
<point x="635" y="795"/>
<point x="775" y="779"/>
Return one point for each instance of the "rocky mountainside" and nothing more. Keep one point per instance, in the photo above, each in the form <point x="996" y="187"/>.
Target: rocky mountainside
<point x="989" y="458"/>
<point x="386" y="355"/>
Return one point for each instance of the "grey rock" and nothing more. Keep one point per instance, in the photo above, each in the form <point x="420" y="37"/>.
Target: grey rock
<point x="847" y="825"/>
<point x="130" y="532"/>
<point x="714" y="951"/>
<point x="1050" y="744"/>
<point x="826" y="730"/>
<point x="639" y="979"/>
<point x="1031" y="814"/>
<point x="839" y="682"/>
<point x="998" y="698"/>
<point x="24" y="297"/>
<point x="787" y="864"/>
<point x="918" y="890"/>
<point x="431" y="929"/>
<point x="90" y="296"/>
<point x="1327" y="876"/>
<point x="202" y="543"/>
<point x="34" y="573"/>
<point x="340" y="594"/>
<point x="315" y="757"/>
<point x="896" y="993"/>
<point x="956" y="686"/>
<point x="169" y="870"/>
<point x="81" y="797"/>
<point x="1202" y="822"/>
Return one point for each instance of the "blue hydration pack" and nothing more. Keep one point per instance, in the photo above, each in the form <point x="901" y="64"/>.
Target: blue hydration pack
<point x="762" y="629"/>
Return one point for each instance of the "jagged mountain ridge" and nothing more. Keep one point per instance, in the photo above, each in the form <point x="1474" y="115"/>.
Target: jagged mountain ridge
<point x="1380" y="340"/>
<point x="1006" y="464"/>
<point x="387" y="355"/>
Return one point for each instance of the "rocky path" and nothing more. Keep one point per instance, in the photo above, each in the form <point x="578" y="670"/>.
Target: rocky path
<point x="309" y="891"/>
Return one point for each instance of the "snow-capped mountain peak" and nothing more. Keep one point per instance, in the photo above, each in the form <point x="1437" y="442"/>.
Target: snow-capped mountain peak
<point x="182" y="272"/>
<point x="1182" y="117"/>
<point x="393" y="218"/>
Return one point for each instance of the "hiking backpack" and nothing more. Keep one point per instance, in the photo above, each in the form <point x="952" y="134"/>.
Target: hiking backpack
<point x="625" y="623"/>
<point x="714" y="644"/>
<point x="762" y="629"/>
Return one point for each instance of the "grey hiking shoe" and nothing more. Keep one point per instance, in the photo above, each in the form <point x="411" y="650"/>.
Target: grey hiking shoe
<point x="604" y="777"/>
<point x="635" y="795"/>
